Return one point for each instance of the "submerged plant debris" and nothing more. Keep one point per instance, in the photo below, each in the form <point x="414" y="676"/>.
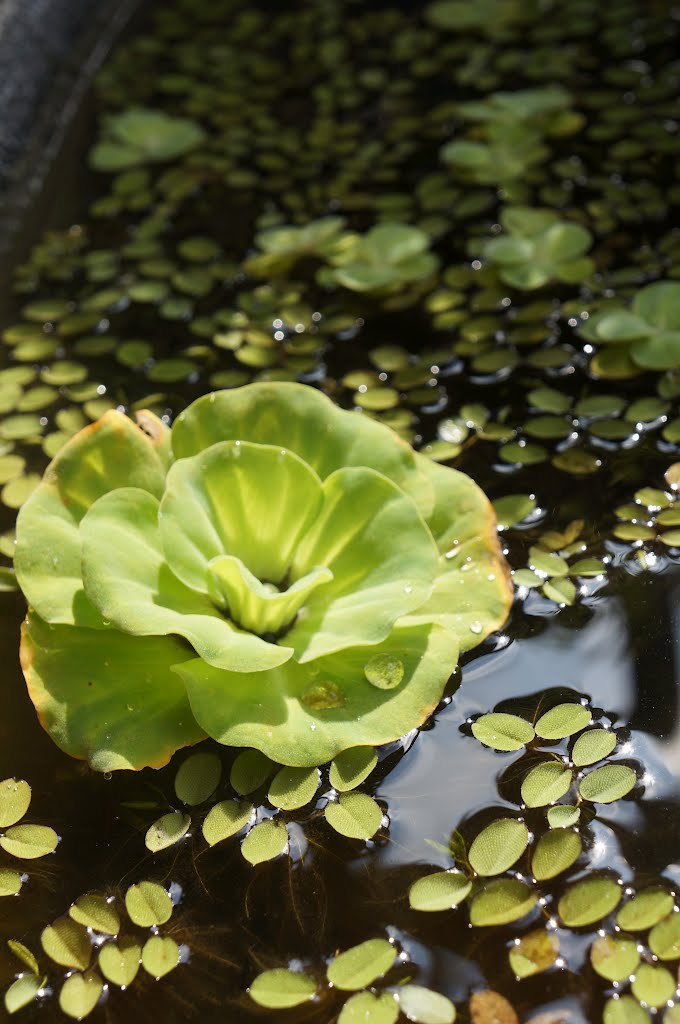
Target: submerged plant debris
<point x="457" y="219"/>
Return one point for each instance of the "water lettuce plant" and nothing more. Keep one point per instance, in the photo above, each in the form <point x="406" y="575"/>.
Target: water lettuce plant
<point x="388" y="257"/>
<point x="537" y="247"/>
<point x="644" y="337"/>
<point x="273" y="572"/>
<point x="140" y="136"/>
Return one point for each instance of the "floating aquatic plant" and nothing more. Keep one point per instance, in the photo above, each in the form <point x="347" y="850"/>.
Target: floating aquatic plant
<point x="273" y="572"/>
<point x="388" y="257"/>
<point x="23" y="841"/>
<point x="538" y="247"/>
<point x="139" y="136"/>
<point x="645" y="336"/>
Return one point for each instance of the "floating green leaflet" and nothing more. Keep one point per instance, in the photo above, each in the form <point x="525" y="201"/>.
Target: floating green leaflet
<point x="15" y="798"/>
<point x="22" y="992"/>
<point x="653" y="985"/>
<point x="562" y="720"/>
<point x="355" y="815"/>
<point x="160" y="955"/>
<point x="198" y="778"/>
<point x="80" y="994"/>
<point x="225" y="819"/>
<point x="148" y="904"/>
<point x="563" y="815"/>
<point x="293" y="787"/>
<point x="29" y="841"/>
<point x="366" y="1008"/>
<point x="166" y="831"/>
<point x="664" y="938"/>
<point x="442" y="890"/>
<point x="554" y="853"/>
<point x="614" y="957"/>
<point x="502" y="732"/>
<point x="500" y="902"/>
<point x="361" y="965"/>
<point x="424" y="1006"/>
<point x="606" y="784"/>
<point x="266" y="840"/>
<point x="249" y="771"/>
<point x="534" y="952"/>
<point x="546" y="783"/>
<point x="592" y="746"/>
<point x="352" y="767"/>
<point x="589" y="901"/>
<point x="96" y="912"/>
<point x="280" y="989"/>
<point x="624" y="1010"/>
<point x="498" y="846"/>
<point x="645" y="909"/>
<point x="67" y="943"/>
<point x="119" y="961"/>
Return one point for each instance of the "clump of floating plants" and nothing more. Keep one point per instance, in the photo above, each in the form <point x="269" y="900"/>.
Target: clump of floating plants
<point x="19" y="839"/>
<point x="324" y="575"/>
<point x="537" y="247"/>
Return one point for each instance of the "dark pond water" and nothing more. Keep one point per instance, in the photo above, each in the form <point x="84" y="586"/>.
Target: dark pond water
<point x="333" y="107"/>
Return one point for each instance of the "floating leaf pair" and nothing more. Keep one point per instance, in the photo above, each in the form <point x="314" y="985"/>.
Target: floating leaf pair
<point x="537" y="247"/>
<point x="27" y="842"/>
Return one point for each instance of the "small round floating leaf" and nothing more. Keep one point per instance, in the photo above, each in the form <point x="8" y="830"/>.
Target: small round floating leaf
<point x="512" y="509"/>
<point x="546" y="783"/>
<point x="624" y="1010"/>
<point x="592" y="746"/>
<point x="664" y="938"/>
<point x="198" y="778"/>
<point x="355" y="815"/>
<point x="441" y="890"/>
<point x="119" y="961"/>
<point x="361" y="965"/>
<point x="653" y="985"/>
<point x="67" y="943"/>
<point x="10" y="882"/>
<point x="563" y="720"/>
<point x="18" y="491"/>
<point x="366" y="1008"/>
<point x="647" y="908"/>
<point x="280" y="989"/>
<point x="589" y="901"/>
<point x="22" y="992"/>
<point x="423" y="1006"/>
<point x="160" y="955"/>
<point x="15" y="798"/>
<point x="502" y="732"/>
<point x="614" y="957"/>
<point x="80" y="994"/>
<point x="266" y="840"/>
<point x="500" y="902"/>
<point x="384" y="671"/>
<point x="498" y="846"/>
<point x="606" y="784"/>
<point x="225" y="819"/>
<point x="554" y="853"/>
<point x="352" y="767"/>
<point x="148" y="904"/>
<point x="167" y="830"/>
<point x="96" y="912"/>
<point x="293" y="787"/>
<point x="29" y="841"/>
<point x="249" y="771"/>
<point x="535" y="952"/>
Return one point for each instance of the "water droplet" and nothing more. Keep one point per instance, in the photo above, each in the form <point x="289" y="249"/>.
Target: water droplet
<point x="384" y="671"/>
<point x="476" y="627"/>
<point x="323" y="696"/>
<point x="408" y="588"/>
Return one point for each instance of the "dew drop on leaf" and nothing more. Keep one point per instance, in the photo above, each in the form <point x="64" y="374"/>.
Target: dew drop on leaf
<point x="323" y="696"/>
<point x="384" y="671"/>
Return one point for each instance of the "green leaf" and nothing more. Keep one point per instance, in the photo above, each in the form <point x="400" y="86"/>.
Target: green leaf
<point x="512" y="509"/>
<point x="589" y="901"/>
<point x="250" y="769"/>
<point x="442" y="890"/>
<point x="647" y="908"/>
<point x="94" y="705"/>
<point x="561" y="591"/>
<point x="266" y="840"/>
<point x="10" y="882"/>
<point x="141" y="135"/>
<point x="80" y="994"/>
<point x="198" y="778"/>
<point x="554" y="853"/>
<point x="562" y="720"/>
<point x="96" y="912"/>
<point x="225" y="819"/>
<point x="624" y="1010"/>
<point x="22" y="992"/>
<point x="664" y="938"/>
<point x="498" y="846"/>
<point x="280" y="989"/>
<point x="366" y="1008"/>
<point x="148" y="904"/>
<point x="355" y="815"/>
<point x="534" y="952"/>
<point x="67" y="943"/>
<point x="614" y="957"/>
<point x="24" y="954"/>
<point x="546" y="783"/>
<point x="119" y="961"/>
<point x="659" y="304"/>
<point x="352" y="767"/>
<point x="160" y="955"/>
<point x="15" y="798"/>
<point x="653" y="985"/>
<point x="502" y="732"/>
<point x="606" y="784"/>
<point x="621" y="326"/>
<point x="166" y="831"/>
<point x="424" y="1006"/>
<point x="29" y="841"/>
<point x="592" y="746"/>
<point x="361" y="965"/>
<point x="563" y="815"/>
<point x="293" y="787"/>
<point x="500" y="902"/>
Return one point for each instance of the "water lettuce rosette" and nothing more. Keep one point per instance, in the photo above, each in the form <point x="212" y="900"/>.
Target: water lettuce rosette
<point x="273" y="572"/>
